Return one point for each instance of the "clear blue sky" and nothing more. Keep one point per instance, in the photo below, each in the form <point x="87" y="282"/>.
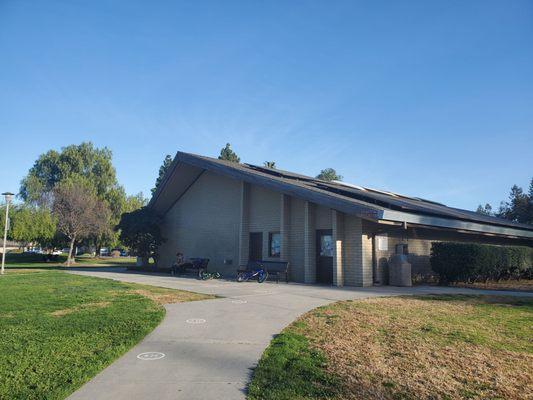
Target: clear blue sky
<point x="427" y="98"/>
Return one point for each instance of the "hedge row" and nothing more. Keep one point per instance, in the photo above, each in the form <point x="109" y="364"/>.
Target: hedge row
<point x="469" y="262"/>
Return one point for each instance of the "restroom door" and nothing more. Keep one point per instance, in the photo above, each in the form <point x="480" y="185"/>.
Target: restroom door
<point x="324" y="256"/>
<point x="256" y="246"/>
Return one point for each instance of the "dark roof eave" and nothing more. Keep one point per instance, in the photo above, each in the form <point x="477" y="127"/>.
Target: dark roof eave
<point x="398" y="216"/>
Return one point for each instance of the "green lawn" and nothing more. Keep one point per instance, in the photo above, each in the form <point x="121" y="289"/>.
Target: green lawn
<point x="58" y="330"/>
<point x="427" y="347"/>
<point x="31" y="260"/>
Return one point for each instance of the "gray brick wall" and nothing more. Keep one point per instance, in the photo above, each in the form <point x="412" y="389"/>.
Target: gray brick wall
<point x="309" y="242"/>
<point x="296" y="240"/>
<point x="285" y="226"/>
<point x="265" y="215"/>
<point x="205" y="223"/>
<point x="244" y="225"/>
<point x="322" y="217"/>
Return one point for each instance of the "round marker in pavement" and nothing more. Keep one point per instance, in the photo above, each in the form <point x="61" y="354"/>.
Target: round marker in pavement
<point x="150" y="356"/>
<point x="239" y="301"/>
<point x="196" y="321"/>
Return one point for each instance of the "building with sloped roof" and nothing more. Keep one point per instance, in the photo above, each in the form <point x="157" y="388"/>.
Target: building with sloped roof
<point x="329" y="232"/>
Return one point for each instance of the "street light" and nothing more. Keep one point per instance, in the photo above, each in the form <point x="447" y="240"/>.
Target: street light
<point x="7" y="196"/>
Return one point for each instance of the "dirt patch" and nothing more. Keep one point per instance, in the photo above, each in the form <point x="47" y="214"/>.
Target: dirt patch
<point x="66" y="311"/>
<point x="405" y="348"/>
<point x="168" y="297"/>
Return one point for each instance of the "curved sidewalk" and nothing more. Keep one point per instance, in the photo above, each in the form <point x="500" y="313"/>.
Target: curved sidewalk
<point x="211" y="346"/>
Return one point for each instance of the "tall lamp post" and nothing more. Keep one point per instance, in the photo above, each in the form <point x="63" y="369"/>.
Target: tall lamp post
<point x="7" y="196"/>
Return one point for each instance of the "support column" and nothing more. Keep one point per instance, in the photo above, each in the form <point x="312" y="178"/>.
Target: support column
<point x="337" y="228"/>
<point x="367" y="260"/>
<point x="285" y="226"/>
<point x="309" y="243"/>
<point x="357" y="253"/>
<point x="244" y="226"/>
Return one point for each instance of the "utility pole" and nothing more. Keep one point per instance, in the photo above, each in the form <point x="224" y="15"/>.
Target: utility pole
<point x="7" y="196"/>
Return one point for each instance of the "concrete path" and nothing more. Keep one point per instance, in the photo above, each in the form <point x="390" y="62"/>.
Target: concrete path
<point x="210" y="347"/>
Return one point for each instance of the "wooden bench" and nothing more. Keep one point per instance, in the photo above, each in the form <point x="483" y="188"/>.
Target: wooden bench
<point x="274" y="268"/>
<point x="196" y="264"/>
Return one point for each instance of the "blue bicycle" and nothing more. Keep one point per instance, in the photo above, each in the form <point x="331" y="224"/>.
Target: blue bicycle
<point x="261" y="274"/>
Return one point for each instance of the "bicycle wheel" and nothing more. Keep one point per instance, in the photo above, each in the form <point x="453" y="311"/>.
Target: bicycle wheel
<point x="262" y="276"/>
<point x="241" y="277"/>
<point x="204" y="275"/>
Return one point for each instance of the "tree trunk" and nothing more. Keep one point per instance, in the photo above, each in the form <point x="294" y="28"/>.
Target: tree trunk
<point x="69" y="258"/>
<point x="97" y="248"/>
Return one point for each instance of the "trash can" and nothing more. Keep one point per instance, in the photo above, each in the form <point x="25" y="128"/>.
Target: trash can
<point x="399" y="271"/>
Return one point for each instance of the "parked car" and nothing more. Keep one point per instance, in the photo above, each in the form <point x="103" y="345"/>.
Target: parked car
<point x="104" y="251"/>
<point x="57" y="252"/>
<point x="36" y="250"/>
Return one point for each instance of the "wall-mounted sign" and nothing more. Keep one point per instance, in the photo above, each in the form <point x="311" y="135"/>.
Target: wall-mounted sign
<point x="383" y="242"/>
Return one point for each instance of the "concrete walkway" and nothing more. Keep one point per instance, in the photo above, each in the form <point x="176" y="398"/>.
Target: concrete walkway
<point x="210" y="347"/>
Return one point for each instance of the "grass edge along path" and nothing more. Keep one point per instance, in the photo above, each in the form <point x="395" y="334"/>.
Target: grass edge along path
<point x="410" y="347"/>
<point x="58" y="330"/>
<point x="291" y="369"/>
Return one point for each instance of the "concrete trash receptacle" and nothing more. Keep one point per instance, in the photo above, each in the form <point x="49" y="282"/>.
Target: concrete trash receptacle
<point x="399" y="271"/>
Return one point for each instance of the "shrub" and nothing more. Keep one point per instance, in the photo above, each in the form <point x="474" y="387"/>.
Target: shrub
<point x="470" y="262"/>
<point x="140" y="231"/>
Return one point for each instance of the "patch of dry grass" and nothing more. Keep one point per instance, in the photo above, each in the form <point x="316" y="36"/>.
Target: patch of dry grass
<point x="439" y="347"/>
<point x="163" y="295"/>
<point x="85" y="306"/>
<point x="523" y="285"/>
<point x="172" y="296"/>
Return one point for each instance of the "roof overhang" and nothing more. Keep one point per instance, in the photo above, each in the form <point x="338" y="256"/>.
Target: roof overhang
<point x="408" y="218"/>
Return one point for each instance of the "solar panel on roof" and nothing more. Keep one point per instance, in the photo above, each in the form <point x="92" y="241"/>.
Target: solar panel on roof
<point x="349" y="185"/>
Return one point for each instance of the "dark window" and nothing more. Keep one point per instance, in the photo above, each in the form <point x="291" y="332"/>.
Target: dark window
<point x="274" y="244"/>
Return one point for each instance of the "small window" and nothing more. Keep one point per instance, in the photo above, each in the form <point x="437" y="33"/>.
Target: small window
<point x="274" y="240"/>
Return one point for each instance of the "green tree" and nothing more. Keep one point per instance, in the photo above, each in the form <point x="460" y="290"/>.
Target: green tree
<point x="134" y="202"/>
<point x="32" y="225"/>
<point x="79" y="213"/>
<point x="329" y="174"/>
<point x="270" y="164"/>
<point x="228" y="154"/>
<point x="162" y="171"/>
<point x="82" y="164"/>
<point x="53" y="167"/>
<point x="518" y="207"/>
<point x="140" y="231"/>
<point x="485" y="210"/>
